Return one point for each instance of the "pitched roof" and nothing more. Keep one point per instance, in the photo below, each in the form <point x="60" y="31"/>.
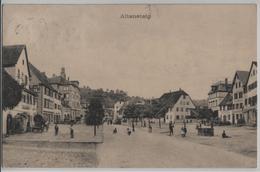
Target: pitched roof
<point x="220" y="86"/>
<point x="11" y="54"/>
<point x="41" y="76"/>
<point x="170" y="99"/>
<point x="228" y="100"/>
<point x="242" y="75"/>
<point x="61" y="80"/>
<point x="253" y="63"/>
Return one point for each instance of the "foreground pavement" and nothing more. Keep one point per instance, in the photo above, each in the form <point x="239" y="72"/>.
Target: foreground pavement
<point x="44" y="150"/>
<point x="153" y="150"/>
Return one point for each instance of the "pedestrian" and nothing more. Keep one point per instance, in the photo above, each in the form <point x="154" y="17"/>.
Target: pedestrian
<point x="200" y="124"/>
<point x="185" y="130"/>
<point x="150" y="129"/>
<point x="115" y="131"/>
<point x="128" y="131"/>
<point x="182" y="132"/>
<point x="224" y="135"/>
<point x="171" y="128"/>
<point x="71" y="132"/>
<point x="133" y="127"/>
<point x="144" y="123"/>
<point x="47" y="126"/>
<point x="56" y="129"/>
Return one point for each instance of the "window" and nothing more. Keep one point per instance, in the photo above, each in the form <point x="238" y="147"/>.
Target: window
<point x="184" y="96"/>
<point x="241" y="105"/>
<point x="237" y="106"/>
<point x="241" y="116"/>
<point x="239" y="84"/>
<point x="249" y="101"/>
<point x="236" y="116"/>
<point x="245" y="101"/>
<point x="181" y="109"/>
<point x="240" y="94"/>
<point x="177" y="109"/>
<point x="228" y="117"/>
<point x="26" y="79"/>
<point x="18" y="74"/>
<point x="23" y="62"/>
<point x="235" y="95"/>
<point x="177" y="117"/>
<point x="24" y="98"/>
<point x="236" y="85"/>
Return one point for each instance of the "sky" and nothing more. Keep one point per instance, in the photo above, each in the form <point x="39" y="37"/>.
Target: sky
<point x="180" y="46"/>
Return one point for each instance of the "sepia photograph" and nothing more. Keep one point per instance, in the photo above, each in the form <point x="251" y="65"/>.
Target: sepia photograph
<point x="129" y="86"/>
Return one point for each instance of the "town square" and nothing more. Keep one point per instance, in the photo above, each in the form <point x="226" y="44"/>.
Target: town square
<point x="84" y="87"/>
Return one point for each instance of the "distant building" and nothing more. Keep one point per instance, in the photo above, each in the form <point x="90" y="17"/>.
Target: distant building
<point x="49" y="99"/>
<point x="226" y="106"/>
<point x="250" y="98"/>
<point x="178" y="105"/>
<point x="15" y="63"/>
<point x="70" y="91"/>
<point x="217" y="93"/>
<point x="117" y="107"/>
<point x="238" y="86"/>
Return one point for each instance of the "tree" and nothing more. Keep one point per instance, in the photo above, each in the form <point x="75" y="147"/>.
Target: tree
<point x="12" y="92"/>
<point x="96" y="113"/>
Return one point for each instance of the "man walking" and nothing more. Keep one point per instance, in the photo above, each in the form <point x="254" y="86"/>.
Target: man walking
<point x="171" y="128"/>
<point x="56" y="129"/>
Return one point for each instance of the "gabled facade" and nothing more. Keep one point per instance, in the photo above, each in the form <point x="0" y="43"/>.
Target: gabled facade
<point x="179" y="105"/>
<point x="239" y="83"/>
<point x="226" y="106"/>
<point x="250" y="101"/>
<point x="217" y="93"/>
<point x="70" y="95"/>
<point x="15" y="63"/>
<point x="49" y="99"/>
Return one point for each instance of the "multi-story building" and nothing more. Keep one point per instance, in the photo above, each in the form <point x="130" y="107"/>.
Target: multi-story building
<point x="217" y="93"/>
<point x="117" y="107"/>
<point x="49" y="99"/>
<point x="178" y="105"/>
<point x="226" y="106"/>
<point x="239" y="83"/>
<point x="70" y="91"/>
<point x="250" y="101"/>
<point x="15" y="63"/>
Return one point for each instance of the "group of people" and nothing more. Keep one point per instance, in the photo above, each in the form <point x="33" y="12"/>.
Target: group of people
<point x="183" y="129"/>
<point x="56" y="130"/>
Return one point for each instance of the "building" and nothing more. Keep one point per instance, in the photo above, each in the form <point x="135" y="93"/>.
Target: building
<point x="238" y="86"/>
<point x="49" y="99"/>
<point x="16" y="64"/>
<point x="217" y="93"/>
<point x="226" y="106"/>
<point x="117" y="107"/>
<point x="250" y="100"/>
<point x="70" y="91"/>
<point x="177" y="104"/>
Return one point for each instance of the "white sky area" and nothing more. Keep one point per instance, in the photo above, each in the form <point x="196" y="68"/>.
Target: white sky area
<point x="181" y="46"/>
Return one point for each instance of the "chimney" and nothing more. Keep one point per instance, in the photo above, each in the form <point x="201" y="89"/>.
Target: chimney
<point x="62" y="73"/>
<point x="226" y="81"/>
